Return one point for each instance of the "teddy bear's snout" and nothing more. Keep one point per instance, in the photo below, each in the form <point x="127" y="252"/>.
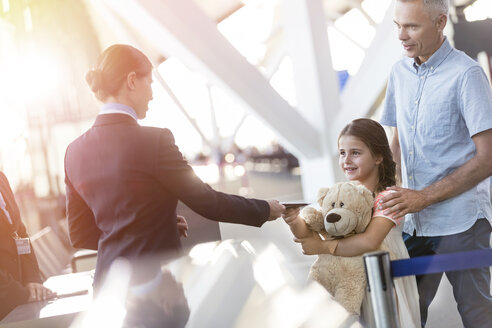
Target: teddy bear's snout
<point x="332" y="218"/>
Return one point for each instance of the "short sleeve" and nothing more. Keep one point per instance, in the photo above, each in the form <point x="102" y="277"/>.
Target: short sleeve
<point x="476" y="97"/>
<point x="379" y="213"/>
<point x="388" y="116"/>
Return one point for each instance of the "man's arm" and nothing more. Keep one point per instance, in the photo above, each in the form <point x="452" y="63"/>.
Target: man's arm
<point x="405" y="201"/>
<point x="395" y="149"/>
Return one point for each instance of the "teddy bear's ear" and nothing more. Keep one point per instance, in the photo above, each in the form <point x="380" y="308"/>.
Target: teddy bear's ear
<point x="321" y="195"/>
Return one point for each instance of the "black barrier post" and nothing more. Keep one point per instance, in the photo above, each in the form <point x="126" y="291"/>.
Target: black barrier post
<point x="380" y="306"/>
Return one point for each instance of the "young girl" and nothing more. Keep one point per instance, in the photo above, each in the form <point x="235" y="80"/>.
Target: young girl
<point x="365" y="157"/>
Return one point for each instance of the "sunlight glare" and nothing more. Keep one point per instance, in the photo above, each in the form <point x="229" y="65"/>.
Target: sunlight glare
<point x="248" y="38"/>
<point x="164" y="113"/>
<point x="12" y="126"/>
<point x="480" y="10"/>
<point x="239" y="170"/>
<point x="345" y="54"/>
<point x="283" y="81"/>
<point x="376" y="9"/>
<point x="267" y="271"/>
<point x="35" y="76"/>
<point x="261" y="138"/>
<point x="207" y="173"/>
<point x="108" y="308"/>
<point x="229" y="172"/>
<point x="229" y="157"/>
<point x="5" y="6"/>
<point x="201" y="254"/>
<point x="28" y="19"/>
<point x="356" y="27"/>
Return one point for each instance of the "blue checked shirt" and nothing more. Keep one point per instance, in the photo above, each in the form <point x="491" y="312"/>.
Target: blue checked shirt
<point x="437" y="107"/>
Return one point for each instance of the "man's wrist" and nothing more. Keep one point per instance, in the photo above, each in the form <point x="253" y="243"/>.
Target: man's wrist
<point x="429" y="196"/>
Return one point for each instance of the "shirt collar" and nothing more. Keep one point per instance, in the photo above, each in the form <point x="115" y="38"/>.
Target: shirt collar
<point x="115" y="108"/>
<point x="437" y="57"/>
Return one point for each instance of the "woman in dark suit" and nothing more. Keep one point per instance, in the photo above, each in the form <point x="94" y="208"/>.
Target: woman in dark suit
<point x="20" y="281"/>
<point x="123" y="180"/>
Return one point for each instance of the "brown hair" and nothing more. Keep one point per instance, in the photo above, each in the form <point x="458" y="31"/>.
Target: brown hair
<point x="373" y="135"/>
<point x="113" y="67"/>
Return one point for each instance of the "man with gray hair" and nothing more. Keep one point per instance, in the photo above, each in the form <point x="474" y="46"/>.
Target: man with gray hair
<point x="440" y="102"/>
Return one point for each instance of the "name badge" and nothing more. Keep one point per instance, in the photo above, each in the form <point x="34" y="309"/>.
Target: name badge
<point x="23" y="246"/>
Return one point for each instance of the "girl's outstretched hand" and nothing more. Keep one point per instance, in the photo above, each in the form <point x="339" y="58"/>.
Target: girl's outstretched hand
<point x="291" y="214"/>
<point x="311" y="245"/>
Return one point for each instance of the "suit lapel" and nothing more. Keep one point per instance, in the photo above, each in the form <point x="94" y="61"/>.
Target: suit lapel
<point x="4" y="221"/>
<point x="9" y="199"/>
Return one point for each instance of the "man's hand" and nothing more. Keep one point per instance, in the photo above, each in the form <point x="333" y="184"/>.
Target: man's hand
<point x="182" y="226"/>
<point x="291" y="214"/>
<point x="276" y="209"/>
<point x="38" y="292"/>
<point x="403" y="201"/>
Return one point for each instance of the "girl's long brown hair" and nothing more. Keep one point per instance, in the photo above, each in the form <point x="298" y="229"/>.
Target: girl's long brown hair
<point x="373" y="135"/>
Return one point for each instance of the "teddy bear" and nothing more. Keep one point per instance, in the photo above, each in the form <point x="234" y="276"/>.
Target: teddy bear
<point x="346" y="209"/>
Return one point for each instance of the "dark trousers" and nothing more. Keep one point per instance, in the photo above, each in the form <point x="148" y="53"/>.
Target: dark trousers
<point x="471" y="288"/>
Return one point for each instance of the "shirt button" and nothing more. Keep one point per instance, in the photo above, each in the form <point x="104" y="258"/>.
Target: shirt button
<point x="412" y="127"/>
<point x="410" y="177"/>
<point x="421" y="77"/>
<point x="411" y="153"/>
<point x="416" y="101"/>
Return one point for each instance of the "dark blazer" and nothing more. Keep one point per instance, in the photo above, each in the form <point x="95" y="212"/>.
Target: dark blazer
<point x="15" y="270"/>
<point x="123" y="182"/>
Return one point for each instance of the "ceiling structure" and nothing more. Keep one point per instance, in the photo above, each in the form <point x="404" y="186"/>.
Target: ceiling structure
<point x="188" y="30"/>
<point x="305" y="116"/>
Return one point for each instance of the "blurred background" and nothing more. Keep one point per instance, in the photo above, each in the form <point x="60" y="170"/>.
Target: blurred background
<point x="255" y="91"/>
<point x="227" y="101"/>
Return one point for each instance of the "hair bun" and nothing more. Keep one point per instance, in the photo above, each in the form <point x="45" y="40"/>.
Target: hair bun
<point x="94" y="79"/>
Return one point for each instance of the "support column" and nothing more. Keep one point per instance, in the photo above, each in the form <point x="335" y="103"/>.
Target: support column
<point x="316" y="82"/>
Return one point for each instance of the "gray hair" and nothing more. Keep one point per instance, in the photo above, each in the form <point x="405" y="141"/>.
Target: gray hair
<point x="434" y="6"/>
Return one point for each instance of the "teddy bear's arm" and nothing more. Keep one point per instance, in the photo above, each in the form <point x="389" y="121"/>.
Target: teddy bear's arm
<point x="313" y="218"/>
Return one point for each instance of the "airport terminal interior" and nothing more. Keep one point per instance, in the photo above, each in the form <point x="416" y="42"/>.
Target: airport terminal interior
<point x="255" y="93"/>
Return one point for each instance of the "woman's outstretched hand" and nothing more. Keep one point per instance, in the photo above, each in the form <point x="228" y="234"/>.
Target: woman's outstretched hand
<point x="276" y="209"/>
